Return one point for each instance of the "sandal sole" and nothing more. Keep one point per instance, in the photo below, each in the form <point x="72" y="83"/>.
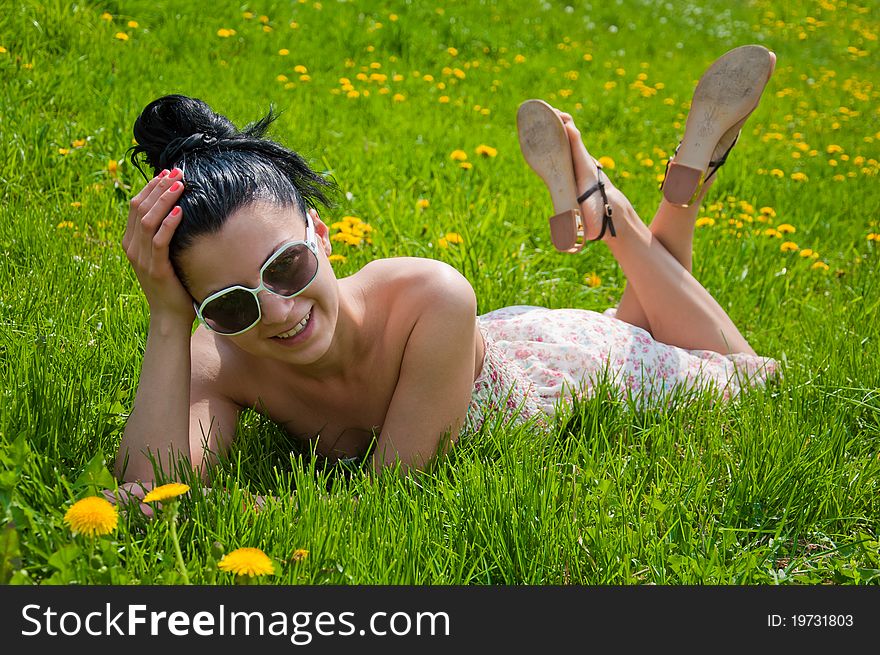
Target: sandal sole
<point x="547" y="150"/>
<point x="727" y="93"/>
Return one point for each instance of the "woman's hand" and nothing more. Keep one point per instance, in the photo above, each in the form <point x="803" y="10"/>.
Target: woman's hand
<point x="152" y="219"/>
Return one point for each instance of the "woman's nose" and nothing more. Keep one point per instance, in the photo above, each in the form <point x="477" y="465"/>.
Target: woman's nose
<point x="274" y="308"/>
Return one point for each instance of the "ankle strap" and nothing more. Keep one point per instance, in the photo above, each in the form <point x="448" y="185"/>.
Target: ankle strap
<point x="606" y="217"/>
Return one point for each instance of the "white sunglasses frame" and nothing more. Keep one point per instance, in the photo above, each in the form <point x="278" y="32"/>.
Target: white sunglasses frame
<point x="311" y="243"/>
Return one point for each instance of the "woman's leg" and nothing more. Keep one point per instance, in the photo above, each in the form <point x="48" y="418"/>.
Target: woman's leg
<point x="673" y="226"/>
<point x="678" y="308"/>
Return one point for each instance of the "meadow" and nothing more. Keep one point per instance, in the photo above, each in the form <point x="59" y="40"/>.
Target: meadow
<point x="411" y="106"/>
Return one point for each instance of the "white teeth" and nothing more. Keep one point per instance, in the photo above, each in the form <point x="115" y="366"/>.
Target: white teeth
<point x="299" y="327"/>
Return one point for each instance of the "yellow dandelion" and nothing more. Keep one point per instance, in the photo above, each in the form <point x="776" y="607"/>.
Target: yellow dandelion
<point x="78" y="143"/>
<point x="299" y="68"/>
<point x="518" y="59"/>
<point x="647" y="161"/>
<point x="705" y="221"/>
<point x="122" y="36"/>
<point x="112" y="166"/>
<point x="63" y="151"/>
<point x="832" y="148"/>
<point x="788" y="246"/>
<point x="224" y="33"/>
<point x="65" y="224"/>
<point x="299" y="555"/>
<point x="442" y="243"/>
<point x="393" y="19"/>
<point x="398" y="97"/>
<point x="592" y="280"/>
<point x="819" y="265"/>
<point x="486" y="151"/>
<point x="466" y="165"/>
<point x="458" y="155"/>
<point x="799" y="177"/>
<point x="76" y="204"/>
<point x="422" y="203"/>
<point x="305" y="78"/>
<point x="264" y="19"/>
<point x="166" y="492"/>
<point x="873" y="237"/>
<point x="775" y="172"/>
<point x="3" y="50"/>
<point x="806" y="252"/>
<point x="133" y="24"/>
<point x="247" y="15"/>
<point x="786" y="228"/>
<point x="454" y="237"/>
<point x="606" y="162"/>
<point x="452" y="51"/>
<point x="294" y="25"/>
<point x="247" y="561"/>
<point x="106" y="16"/>
<point x="284" y="52"/>
<point x="281" y="78"/>
<point x="93" y="516"/>
<point x="767" y="211"/>
<point x="267" y="28"/>
<point x="341" y="259"/>
<point x="443" y="100"/>
<point x="771" y="232"/>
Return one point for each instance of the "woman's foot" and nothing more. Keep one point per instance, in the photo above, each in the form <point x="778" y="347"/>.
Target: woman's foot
<point x="728" y="92"/>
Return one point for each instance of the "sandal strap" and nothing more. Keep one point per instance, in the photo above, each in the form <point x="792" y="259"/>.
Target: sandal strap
<point x="715" y="164"/>
<point x="607" y="223"/>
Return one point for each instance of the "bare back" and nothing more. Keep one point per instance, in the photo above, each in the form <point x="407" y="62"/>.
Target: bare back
<point x="344" y="413"/>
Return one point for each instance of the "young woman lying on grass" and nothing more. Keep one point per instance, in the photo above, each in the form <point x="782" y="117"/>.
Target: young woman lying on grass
<point x="391" y="360"/>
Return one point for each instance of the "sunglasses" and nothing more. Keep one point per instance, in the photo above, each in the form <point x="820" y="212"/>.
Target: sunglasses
<point x="287" y="273"/>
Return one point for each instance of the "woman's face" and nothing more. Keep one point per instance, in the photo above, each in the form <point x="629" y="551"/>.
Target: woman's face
<point x="235" y="255"/>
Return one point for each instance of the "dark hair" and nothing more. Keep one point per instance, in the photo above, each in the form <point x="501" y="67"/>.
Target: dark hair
<point x="224" y="168"/>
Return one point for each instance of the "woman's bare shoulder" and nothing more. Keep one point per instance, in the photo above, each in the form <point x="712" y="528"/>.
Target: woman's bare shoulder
<point x="408" y="277"/>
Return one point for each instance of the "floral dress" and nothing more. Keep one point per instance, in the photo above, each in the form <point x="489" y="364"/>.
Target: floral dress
<point x="536" y="357"/>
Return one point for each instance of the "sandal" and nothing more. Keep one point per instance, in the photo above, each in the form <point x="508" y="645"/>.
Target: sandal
<point x="546" y="148"/>
<point x="727" y="93"/>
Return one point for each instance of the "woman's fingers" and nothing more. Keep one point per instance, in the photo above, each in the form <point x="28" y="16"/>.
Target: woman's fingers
<point x="152" y="220"/>
<point x="137" y="209"/>
<point x="162" y="239"/>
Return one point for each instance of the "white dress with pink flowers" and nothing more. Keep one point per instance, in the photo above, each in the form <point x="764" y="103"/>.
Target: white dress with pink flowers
<point x="536" y="357"/>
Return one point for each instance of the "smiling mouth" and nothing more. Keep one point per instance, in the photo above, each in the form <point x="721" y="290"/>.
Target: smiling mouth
<point x="299" y="327"/>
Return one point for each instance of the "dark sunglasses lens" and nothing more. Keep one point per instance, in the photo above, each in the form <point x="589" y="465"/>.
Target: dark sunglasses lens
<point x="291" y="271"/>
<point x="232" y="312"/>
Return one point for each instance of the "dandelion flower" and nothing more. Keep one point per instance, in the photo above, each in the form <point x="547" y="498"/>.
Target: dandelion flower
<point x="284" y="52"/>
<point x="466" y="165"/>
<point x="785" y="228"/>
<point x="133" y="24"/>
<point x="106" y="16"/>
<point x="772" y="232"/>
<point x="799" y="177"/>
<point x="777" y="173"/>
<point x="76" y="204"/>
<point x="122" y="36"/>
<point x="299" y="555"/>
<point x="341" y="259"/>
<point x="486" y="151"/>
<point x="458" y="155"/>
<point x="399" y="97"/>
<point x="299" y="68"/>
<point x="422" y="203"/>
<point x="873" y="237"/>
<point x="606" y="162"/>
<point x="93" y="516"/>
<point x="788" y="246"/>
<point x="442" y="243"/>
<point x="454" y="237"/>
<point x="705" y="221"/>
<point x="806" y="252"/>
<point x="819" y="265"/>
<point x="63" y="151"/>
<point x="65" y="224"/>
<point x="767" y="211"/>
<point x="592" y="280"/>
<point x="247" y="561"/>
<point x="518" y="59"/>
<point x="166" y="492"/>
<point x="443" y="100"/>
<point x="452" y="51"/>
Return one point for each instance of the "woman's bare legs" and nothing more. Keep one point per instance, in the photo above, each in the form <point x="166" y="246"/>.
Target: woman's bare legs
<point x="673" y="226"/>
<point x="677" y="307"/>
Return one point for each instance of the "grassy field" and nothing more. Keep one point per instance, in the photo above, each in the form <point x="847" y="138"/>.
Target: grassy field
<point x="781" y="487"/>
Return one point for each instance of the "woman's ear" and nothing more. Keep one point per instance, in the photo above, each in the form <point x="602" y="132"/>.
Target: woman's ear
<point x="321" y="231"/>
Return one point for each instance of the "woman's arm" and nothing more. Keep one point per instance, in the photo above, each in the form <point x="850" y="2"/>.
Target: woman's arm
<point x="436" y="374"/>
<point x="171" y="404"/>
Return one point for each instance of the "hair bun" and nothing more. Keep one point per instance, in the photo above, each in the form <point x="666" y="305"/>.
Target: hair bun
<point x="173" y="125"/>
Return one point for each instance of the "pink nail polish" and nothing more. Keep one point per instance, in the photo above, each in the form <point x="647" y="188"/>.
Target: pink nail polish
<point x="175" y="211"/>
<point x="163" y="173"/>
<point x="175" y="186"/>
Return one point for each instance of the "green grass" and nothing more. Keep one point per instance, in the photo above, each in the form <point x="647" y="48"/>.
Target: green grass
<point x="780" y="487"/>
